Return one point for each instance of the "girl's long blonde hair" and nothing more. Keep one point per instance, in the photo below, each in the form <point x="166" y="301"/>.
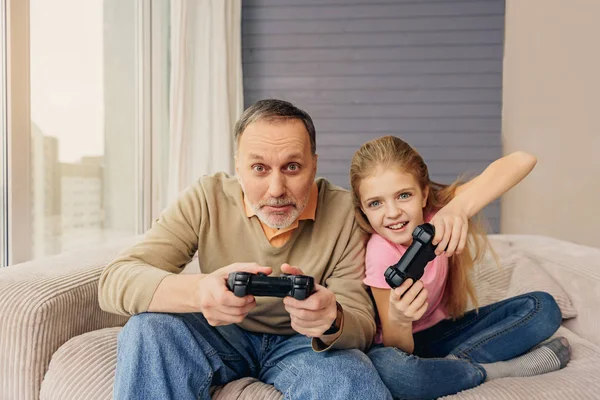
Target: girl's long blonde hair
<point x="393" y="152"/>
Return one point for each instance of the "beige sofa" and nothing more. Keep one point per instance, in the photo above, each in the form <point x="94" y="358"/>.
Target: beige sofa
<point x="56" y="343"/>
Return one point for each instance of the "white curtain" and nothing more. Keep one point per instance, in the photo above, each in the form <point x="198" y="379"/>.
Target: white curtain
<point x="206" y="91"/>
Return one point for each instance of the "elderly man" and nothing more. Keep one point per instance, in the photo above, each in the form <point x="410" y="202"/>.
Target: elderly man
<point x="189" y="332"/>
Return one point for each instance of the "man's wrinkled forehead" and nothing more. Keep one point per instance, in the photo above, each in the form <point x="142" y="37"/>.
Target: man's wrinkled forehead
<point x="294" y="156"/>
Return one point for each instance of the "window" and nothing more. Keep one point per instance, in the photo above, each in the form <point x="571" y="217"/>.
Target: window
<point x="83" y="123"/>
<point x="88" y="112"/>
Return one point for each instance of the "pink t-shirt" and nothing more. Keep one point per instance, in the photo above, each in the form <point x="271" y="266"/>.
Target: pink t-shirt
<point x="381" y="254"/>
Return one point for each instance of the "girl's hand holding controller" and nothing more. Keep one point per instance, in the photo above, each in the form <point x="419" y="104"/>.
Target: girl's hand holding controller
<point x="451" y="227"/>
<point x="408" y="303"/>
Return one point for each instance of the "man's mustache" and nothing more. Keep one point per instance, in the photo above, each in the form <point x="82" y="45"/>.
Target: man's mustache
<point x="280" y="202"/>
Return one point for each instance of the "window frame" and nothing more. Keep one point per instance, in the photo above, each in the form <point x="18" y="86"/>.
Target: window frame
<point x="3" y="139"/>
<point x="18" y="133"/>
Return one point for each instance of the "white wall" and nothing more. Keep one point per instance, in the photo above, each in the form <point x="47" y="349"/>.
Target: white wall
<point x="551" y="108"/>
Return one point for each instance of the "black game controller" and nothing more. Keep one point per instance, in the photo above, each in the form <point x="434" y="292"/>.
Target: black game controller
<point x="412" y="263"/>
<point x="245" y="283"/>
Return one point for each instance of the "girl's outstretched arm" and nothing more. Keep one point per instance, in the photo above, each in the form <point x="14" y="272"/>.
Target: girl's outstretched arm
<point x="498" y="178"/>
<point x="451" y="222"/>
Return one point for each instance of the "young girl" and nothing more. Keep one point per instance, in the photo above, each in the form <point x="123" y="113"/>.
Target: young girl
<point x="427" y="346"/>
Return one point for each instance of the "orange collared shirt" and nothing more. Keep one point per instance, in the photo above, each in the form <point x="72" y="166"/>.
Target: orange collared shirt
<point x="279" y="237"/>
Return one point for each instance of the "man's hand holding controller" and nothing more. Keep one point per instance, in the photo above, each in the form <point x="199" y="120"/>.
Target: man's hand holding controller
<point x="314" y="316"/>
<point x="217" y="303"/>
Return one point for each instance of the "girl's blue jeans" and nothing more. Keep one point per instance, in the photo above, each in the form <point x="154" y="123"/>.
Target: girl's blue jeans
<point x="497" y="332"/>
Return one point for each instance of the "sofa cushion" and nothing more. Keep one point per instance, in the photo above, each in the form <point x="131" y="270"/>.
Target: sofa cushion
<point x="518" y="272"/>
<point x="84" y="368"/>
<point x="576" y="268"/>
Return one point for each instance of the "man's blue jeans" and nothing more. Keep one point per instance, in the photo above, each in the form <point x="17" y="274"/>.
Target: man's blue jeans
<point x="499" y="332"/>
<point x="179" y="356"/>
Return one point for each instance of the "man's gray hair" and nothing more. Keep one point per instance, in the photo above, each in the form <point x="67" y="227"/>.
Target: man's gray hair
<point x="273" y="110"/>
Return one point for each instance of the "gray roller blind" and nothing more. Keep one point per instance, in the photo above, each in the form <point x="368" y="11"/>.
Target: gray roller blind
<point x="427" y="71"/>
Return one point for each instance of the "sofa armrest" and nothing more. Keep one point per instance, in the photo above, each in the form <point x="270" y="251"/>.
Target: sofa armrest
<point x="43" y="304"/>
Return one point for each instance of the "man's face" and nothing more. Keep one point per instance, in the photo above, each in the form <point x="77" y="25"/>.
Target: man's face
<point x="276" y="169"/>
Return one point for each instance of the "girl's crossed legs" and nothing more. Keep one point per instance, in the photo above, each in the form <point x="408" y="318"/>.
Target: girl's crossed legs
<point x="458" y="355"/>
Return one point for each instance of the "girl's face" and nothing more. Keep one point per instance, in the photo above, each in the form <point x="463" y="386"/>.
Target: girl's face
<point x="393" y="203"/>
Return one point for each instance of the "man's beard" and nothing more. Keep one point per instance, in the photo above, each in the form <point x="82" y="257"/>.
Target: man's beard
<point x="278" y="220"/>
